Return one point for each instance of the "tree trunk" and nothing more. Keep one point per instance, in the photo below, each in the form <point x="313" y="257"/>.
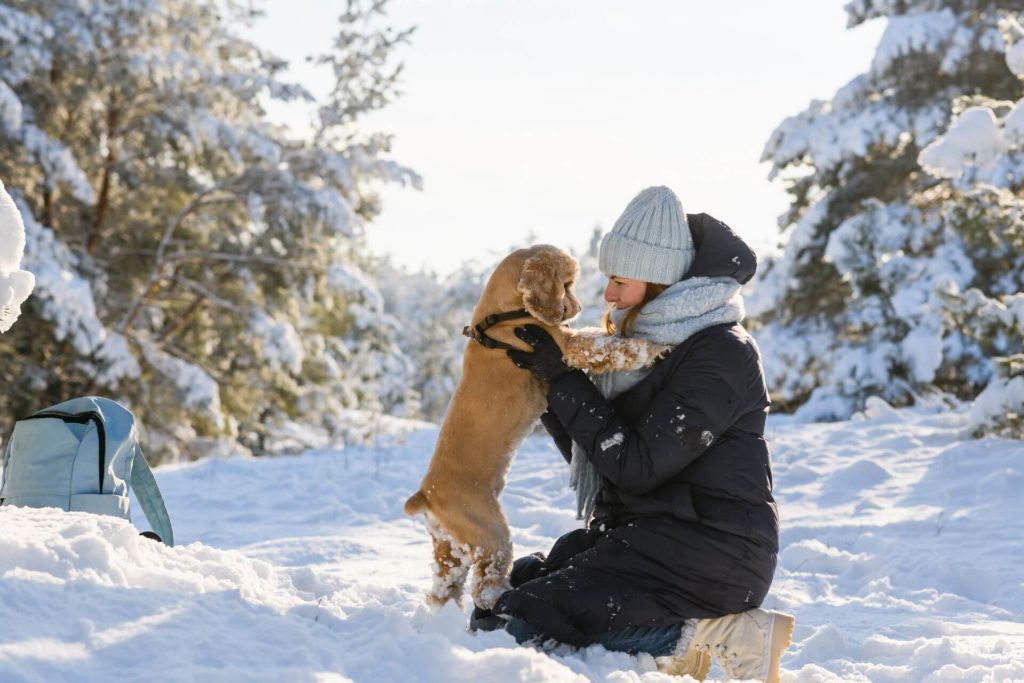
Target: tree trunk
<point x="103" y="200"/>
<point x="48" y="207"/>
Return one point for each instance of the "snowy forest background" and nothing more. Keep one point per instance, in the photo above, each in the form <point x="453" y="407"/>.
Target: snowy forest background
<point x="208" y="267"/>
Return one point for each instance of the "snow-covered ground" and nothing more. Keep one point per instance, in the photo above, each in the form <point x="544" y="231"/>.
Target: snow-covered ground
<point x="902" y="559"/>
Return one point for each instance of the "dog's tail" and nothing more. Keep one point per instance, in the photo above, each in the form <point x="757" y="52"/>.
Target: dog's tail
<point x="416" y="504"/>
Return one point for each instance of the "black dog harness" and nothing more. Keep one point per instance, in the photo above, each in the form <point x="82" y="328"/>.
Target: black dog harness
<point x="479" y="332"/>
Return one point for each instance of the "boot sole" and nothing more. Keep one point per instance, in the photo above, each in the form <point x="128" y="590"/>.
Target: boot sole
<point x="781" y="636"/>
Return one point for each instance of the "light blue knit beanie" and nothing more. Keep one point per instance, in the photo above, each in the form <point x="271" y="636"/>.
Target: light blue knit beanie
<point x="651" y="241"/>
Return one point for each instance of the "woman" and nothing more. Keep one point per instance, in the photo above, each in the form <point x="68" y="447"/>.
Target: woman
<point x="670" y="466"/>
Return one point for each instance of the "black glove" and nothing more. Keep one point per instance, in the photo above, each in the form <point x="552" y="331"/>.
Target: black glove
<point x="485" y="620"/>
<point x="545" y="362"/>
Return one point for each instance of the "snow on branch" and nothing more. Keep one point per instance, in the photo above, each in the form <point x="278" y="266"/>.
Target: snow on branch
<point x="15" y="284"/>
<point x="1000" y="407"/>
<point x="979" y="137"/>
<point x="1015" y="53"/>
<point x="914" y="33"/>
<point x="195" y="387"/>
<point x="58" y="163"/>
<point x="975" y="139"/>
<point x="349" y="279"/>
<point x="66" y="299"/>
<point x="280" y="345"/>
<point x="10" y="110"/>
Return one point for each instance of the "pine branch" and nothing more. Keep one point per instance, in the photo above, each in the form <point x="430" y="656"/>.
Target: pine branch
<point x="154" y="279"/>
<point x="245" y="258"/>
<point x="172" y="329"/>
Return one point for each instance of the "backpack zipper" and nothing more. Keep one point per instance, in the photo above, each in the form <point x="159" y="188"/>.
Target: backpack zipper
<point x="82" y="418"/>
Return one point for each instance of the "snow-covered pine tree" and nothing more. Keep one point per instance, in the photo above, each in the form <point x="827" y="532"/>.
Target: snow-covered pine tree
<point x="868" y="295"/>
<point x="193" y="259"/>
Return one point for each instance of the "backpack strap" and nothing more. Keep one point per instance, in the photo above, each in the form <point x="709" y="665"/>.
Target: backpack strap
<point x="148" y="495"/>
<point x="7" y="456"/>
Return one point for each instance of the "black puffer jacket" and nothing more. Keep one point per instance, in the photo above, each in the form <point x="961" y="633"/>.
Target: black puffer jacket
<point x="685" y="524"/>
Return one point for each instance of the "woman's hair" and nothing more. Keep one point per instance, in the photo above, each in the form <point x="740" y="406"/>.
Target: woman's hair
<point x="629" y="320"/>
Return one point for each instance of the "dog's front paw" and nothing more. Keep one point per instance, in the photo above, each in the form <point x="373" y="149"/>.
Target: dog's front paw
<point x="487" y="591"/>
<point x="606" y="353"/>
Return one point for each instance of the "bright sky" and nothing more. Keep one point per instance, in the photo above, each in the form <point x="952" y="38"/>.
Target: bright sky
<point x="545" y="117"/>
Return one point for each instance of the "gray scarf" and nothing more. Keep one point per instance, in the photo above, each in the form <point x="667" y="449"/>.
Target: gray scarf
<point x="672" y="317"/>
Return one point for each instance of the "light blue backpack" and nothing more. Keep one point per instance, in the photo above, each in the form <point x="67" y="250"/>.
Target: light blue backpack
<point x="82" y="455"/>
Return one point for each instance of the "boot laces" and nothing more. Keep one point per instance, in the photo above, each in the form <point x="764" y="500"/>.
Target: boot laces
<point x="726" y="659"/>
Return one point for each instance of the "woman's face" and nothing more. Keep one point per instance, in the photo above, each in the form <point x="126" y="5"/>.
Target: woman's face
<point x="624" y="292"/>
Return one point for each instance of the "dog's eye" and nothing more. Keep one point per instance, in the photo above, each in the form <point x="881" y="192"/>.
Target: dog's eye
<point x="568" y="284"/>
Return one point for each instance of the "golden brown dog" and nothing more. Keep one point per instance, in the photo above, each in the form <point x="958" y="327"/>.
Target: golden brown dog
<point x="493" y="409"/>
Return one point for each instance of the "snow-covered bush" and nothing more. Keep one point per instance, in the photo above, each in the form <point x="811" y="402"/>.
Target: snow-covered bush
<point x="1000" y="407"/>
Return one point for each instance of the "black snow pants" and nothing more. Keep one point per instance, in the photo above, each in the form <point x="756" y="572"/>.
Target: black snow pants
<point x="643" y="573"/>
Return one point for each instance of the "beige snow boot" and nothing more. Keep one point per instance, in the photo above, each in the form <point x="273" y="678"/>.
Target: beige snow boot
<point x="746" y="645"/>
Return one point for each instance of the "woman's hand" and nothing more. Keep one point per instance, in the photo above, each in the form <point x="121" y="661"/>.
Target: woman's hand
<point x="545" y="362"/>
<point x="558" y="432"/>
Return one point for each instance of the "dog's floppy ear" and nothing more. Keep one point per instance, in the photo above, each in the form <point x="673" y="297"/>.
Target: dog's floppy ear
<point x="542" y="288"/>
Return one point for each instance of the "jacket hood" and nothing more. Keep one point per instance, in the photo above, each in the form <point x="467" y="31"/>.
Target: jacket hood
<point x="720" y="251"/>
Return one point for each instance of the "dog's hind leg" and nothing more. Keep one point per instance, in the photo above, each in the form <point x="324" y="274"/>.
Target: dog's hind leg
<point x="451" y="567"/>
<point x="491" y="563"/>
<point x="490" y="577"/>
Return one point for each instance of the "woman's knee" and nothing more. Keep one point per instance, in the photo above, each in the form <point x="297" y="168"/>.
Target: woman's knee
<point x="526" y="568"/>
<point x="570" y="545"/>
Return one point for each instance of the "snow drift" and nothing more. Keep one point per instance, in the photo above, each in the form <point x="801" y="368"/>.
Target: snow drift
<point x="900" y="557"/>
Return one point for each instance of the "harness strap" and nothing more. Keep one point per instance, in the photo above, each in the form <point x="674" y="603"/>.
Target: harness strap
<point x="479" y="332"/>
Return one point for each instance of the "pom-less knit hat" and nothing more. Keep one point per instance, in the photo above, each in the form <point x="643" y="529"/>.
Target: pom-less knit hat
<point x="651" y="241"/>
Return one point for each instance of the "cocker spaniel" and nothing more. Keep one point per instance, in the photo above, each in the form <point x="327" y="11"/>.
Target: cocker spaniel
<point x="494" y="407"/>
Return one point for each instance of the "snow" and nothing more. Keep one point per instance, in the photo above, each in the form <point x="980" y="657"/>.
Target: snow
<point x="10" y="109"/>
<point x="1014" y="123"/>
<point x="900" y="558"/>
<point x="58" y="162"/>
<point x="922" y="348"/>
<point x="15" y="284"/>
<point x="923" y="32"/>
<point x="281" y="345"/>
<point x="980" y="138"/>
<point x="612" y="441"/>
<point x="195" y="387"/>
<point x="66" y="298"/>
<point x="1004" y="395"/>
<point x="350" y="279"/>
<point x="975" y="138"/>
<point x="1015" y="57"/>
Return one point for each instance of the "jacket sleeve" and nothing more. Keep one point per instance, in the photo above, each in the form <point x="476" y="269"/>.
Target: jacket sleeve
<point x="701" y="400"/>
<point x="558" y="433"/>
